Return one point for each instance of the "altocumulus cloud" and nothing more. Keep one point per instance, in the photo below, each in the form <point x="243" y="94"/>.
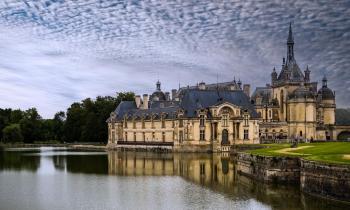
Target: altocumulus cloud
<point x="55" y="52"/>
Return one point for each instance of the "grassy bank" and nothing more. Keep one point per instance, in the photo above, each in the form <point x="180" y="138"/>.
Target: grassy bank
<point x="330" y="152"/>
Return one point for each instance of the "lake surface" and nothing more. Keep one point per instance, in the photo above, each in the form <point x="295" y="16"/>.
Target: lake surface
<point x="59" y="178"/>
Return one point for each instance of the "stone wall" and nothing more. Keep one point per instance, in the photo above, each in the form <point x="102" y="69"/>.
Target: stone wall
<point x="269" y="169"/>
<point x="326" y="180"/>
<point x="320" y="179"/>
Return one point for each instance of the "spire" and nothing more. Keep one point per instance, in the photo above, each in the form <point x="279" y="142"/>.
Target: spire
<point x="158" y="85"/>
<point x="290" y="45"/>
<point x="307" y="74"/>
<point x="290" y="34"/>
<point x="324" y="81"/>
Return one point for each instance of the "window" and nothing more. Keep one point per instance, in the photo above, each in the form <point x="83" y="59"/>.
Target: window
<point x="153" y="135"/>
<point x="152" y="122"/>
<point x="201" y="120"/>
<point x="181" y="123"/>
<point x="134" y="136"/>
<point x="126" y="136"/>
<point x="173" y="124"/>
<point x="202" y="168"/>
<point x="202" y="135"/>
<point x="163" y="136"/>
<point x="125" y="123"/>
<point x="163" y="123"/>
<point x="246" y="120"/>
<point x="113" y="136"/>
<point x="113" y="125"/>
<point x="224" y="120"/>
<point x="301" y="133"/>
<point x="270" y="114"/>
<point x="181" y="136"/>
<point x="134" y="124"/>
<point x="143" y="123"/>
<point x="143" y="136"/>
<point x="246" y="137"/>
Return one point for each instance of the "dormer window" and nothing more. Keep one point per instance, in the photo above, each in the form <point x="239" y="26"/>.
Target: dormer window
<point x="246" y="120"/>
<point x="201" y="120"/>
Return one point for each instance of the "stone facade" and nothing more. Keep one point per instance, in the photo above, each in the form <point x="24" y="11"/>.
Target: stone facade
<point x="213" y="117"/>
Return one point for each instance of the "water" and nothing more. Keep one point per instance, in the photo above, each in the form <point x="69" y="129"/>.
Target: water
<point x="58" y="178"/>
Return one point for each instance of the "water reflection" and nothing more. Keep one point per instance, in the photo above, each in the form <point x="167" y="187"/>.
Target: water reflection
<point x="215" y="173"/>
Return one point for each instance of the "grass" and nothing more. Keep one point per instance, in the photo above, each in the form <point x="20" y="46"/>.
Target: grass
<point x="329" y="152"/>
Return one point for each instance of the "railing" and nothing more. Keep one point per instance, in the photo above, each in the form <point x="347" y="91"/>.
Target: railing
<point x="145" y="143"/>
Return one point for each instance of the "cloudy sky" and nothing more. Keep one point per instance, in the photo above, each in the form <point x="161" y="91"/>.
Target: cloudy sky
<point x="55" y="52"/>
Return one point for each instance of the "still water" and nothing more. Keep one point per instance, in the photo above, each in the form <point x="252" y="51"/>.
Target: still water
<point x="59" y="178"/>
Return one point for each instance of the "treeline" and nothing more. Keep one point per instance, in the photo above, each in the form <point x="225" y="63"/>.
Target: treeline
<point x="83" y="121"/>
<point x="342" y="116"/>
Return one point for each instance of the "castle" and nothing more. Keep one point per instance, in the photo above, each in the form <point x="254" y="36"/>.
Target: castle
<point x="212" y="117"/>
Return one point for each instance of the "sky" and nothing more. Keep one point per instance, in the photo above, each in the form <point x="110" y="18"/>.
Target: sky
<point x="56" y="52"/>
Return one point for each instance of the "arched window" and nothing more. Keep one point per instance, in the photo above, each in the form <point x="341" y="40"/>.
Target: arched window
<point x="282" y="101"/>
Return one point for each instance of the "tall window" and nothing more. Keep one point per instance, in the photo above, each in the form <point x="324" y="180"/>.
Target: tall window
<point x="125" y="123"/>
<point x="163" y="122"/>
<point x="245" y="120"/>
<point x="113" y="125"/>
<point x="143" y="136"/>
<point x="201" y="121"/>
<point x="246" y="137"/>
<point x="163" y="136"/>
<point x="225" y="120"/>
<point x="270" y="114"/>
<point x="181" y="123"/>
<point x="126" y="136"/>
<point x="134" y="136"/>
<point x="143" y="123"/>
<point x="202" y="135"/>
<point x="153" y="135"/>
<point x="152" y="122"/>
<point x="133" y="123"/>
<point x="173" y="123"/>
<point x="282" y="101"/>
<point x="113" y="136"/>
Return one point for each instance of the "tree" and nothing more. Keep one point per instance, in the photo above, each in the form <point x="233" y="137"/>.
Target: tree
<point x="31" y="125"/>
<point x="12" y="133"/>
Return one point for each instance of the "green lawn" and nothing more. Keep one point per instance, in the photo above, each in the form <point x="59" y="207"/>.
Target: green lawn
<point x="330" y="152"/>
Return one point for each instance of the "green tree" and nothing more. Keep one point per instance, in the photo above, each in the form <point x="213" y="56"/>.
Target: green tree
<point x="12" y="133"/>
<point x="31" y="125"/>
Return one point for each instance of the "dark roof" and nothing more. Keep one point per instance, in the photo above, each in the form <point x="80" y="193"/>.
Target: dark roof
<point x="202" y="99"/>
<point x="326" y="94"/>
<point x="293" y="69"/>
<point x="301" y="92"/>
<point x="263" y="92"/>
<point x="190" y="103"/>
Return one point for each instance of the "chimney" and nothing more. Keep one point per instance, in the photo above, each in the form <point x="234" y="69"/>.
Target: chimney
<point x="246" y="89"/>
<point x="145" y="101"/>
<point x="173" y="94"/>
<point x="167" y="96"/>
<point x="138" y="101"/>
<point x="201" y="86"/>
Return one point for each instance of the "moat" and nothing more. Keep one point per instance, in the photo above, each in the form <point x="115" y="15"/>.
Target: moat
<point x="60" y="178"/>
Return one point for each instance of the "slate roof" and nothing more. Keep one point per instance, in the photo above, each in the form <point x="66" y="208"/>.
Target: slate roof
<point x="190" y="103"/>
<point x="265" y="94"/>
<point x="201" y="99"/>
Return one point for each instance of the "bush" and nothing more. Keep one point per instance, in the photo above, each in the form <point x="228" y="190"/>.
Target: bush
<point x="12" y="133"/>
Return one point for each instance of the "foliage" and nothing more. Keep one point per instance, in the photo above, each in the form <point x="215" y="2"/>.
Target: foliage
<point x="342" y="116"/>
<point x="12" y="133"/>
<point x="84" y="121"/>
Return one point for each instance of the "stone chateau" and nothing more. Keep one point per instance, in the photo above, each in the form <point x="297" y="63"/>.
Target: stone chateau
<point x="212" y="117"/>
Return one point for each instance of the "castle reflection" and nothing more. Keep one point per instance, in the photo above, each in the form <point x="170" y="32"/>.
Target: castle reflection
<point x="198" y="168"/>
